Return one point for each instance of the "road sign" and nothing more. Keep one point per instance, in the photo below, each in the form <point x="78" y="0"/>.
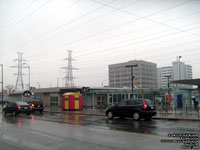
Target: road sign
<point x="142" y="94"/>
<point x="27" y="93"/>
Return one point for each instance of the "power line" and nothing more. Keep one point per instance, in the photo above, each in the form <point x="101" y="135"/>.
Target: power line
<point x="86" y="22"/>
<point x="126" y="33"/>
<point x="105" y="52"/>
<point x="118" y="26"/>
<point x="26" y="16"/>
<point x="19" y="13"/>
<point x="50" y="17"/>
<point x="146" y="18"/>
<point x="138" y="41"/>
<point x="35" y="39"/>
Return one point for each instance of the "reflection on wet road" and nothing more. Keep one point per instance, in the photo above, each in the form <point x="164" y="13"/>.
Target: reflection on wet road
<point x="61" y="130"/>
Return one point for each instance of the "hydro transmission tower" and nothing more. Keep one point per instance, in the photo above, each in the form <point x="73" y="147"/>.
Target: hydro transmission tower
<point x="19" y="66"/>
<point x="69" y="79"/>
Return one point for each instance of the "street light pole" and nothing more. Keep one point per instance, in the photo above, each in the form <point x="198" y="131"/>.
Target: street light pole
<point x="132" y="77"/>
<point x="2" y="86"/>
<point x="179" y="68"/>
<point x="168" y="82"/>
<point x="29" y="72"/>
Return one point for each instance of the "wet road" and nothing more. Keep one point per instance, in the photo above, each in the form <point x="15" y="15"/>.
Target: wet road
<point x="63" y="131"/>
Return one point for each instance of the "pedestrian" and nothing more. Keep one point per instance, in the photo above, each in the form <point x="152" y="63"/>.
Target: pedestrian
<point x="195" y="104"/>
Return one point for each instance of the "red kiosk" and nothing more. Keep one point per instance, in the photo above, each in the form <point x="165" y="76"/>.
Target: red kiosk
<point x="72" y="101"/>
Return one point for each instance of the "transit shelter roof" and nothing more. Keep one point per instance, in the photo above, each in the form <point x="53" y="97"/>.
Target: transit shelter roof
<point x="187" y="81"/>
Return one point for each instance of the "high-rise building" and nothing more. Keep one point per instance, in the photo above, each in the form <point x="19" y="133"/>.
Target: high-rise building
<point x="144" y="74"/>
<point x="178" y="71"/>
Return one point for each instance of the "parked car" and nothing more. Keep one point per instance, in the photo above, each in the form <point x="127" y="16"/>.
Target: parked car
<point x="37" y="105"/>
<point x="17" y="108"/>
<point x="136" y="109"/>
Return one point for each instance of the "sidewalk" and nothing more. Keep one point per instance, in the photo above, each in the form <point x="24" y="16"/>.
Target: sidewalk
<point x="178" y="115"/>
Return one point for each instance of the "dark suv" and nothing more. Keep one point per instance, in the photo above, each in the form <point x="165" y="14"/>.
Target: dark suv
<point x="37" y="105"/>
<point x="136" y="109"/>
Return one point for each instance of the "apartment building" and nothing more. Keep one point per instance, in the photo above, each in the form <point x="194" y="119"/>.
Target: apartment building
<point x="178" y="71"/>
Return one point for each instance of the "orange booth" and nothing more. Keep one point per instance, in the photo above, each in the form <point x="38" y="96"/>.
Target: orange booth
<point x="72" y="101"/>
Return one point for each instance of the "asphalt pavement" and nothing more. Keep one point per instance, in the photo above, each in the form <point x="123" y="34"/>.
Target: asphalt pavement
<point x="54" y="131"/>
<point x="179" y="114"/>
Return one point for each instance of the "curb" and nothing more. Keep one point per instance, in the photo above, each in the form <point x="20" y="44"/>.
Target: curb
<point x="156" y="118"/>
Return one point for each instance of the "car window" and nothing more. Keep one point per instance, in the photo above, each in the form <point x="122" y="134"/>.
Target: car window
<point x="12" y="104"/>
<point x="137" y="102"/>
<point x="148" y="102"/>
<point x="129" y="102"/>
<point x="122" y="103"/>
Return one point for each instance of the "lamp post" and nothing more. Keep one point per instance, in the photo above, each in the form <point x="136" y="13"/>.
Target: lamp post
<point x="168" y="76"/>
<point x="132" y="77"/>
<point x="179" y="57"/>
<point x="2" y="86"/>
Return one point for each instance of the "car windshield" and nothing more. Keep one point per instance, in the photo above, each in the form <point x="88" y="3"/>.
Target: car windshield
<point x="21" y="103"/>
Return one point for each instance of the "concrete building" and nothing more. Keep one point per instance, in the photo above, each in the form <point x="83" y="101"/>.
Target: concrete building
<point x="144" y="74"/>
<point x="178" y="71"/>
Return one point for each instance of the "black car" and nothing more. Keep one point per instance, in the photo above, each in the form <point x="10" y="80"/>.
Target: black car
<point x="37" y="105"/>
<point x="136" y="109"/>
<point x="17" y="108"/>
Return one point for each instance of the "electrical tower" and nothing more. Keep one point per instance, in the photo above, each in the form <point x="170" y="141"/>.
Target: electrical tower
<point x="19" y="66"/>
<point x="69" y="79"/>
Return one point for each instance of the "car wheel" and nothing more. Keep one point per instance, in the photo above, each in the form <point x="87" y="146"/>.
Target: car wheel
<point x="170" y="110"/>
<point x="110" y="115"/>
<point x="41" y="111"/>
<point x="136" y="116"/>
<point x="28" y="114"/>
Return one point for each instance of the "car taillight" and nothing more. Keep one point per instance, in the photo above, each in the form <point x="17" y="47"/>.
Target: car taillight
<point x="32" y="105"/>
<point x="18" y="107"/>
<point x="43" y="105"/>
<point x="144" y="104"/>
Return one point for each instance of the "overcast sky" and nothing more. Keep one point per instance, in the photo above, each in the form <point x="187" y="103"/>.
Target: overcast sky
<point x="99" y="33"/>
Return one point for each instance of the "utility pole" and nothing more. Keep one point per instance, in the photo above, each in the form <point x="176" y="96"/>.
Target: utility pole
<point x="19" y="66"/>
<point x="69" y="79"/>
<point x="132" y="77"/>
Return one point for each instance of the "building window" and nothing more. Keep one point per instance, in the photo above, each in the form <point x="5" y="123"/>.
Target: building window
<point x="54" y="101"/>
<point x="100" y="100"/>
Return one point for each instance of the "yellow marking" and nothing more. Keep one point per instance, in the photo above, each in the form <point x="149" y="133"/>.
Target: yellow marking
<point x="66" y="104"/>
<point x="77" y="104"/>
